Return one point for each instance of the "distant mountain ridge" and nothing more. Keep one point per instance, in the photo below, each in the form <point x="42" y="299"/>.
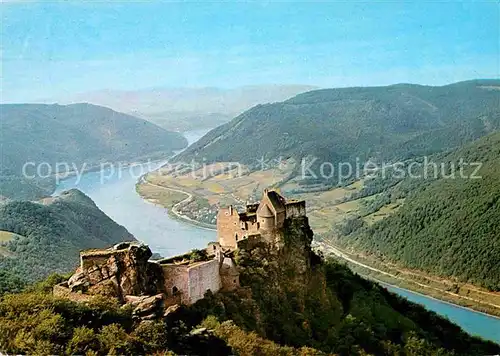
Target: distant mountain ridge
<point x="203" y="99"/>
<point x="337" y="125"/>
<point x="183" y="109"/>
<point x="78" y="133"/>
<point x="75" y="134"/>
<point x="49" y="236"/>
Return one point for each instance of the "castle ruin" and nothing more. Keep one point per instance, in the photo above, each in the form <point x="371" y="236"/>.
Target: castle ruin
<point x="125" y="272"/>
<point x="262" y="220"/>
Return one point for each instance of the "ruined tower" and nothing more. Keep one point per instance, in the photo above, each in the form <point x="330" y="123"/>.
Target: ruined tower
<point x="263" y="219"/>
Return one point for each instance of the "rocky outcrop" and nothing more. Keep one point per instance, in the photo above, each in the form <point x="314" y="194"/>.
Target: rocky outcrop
<point x="120" y="271"/>
<point x="296" y="250"/>
<point x="124" y="273"/>
<point x="146" y="307"/>
<point x="171" y="310"/>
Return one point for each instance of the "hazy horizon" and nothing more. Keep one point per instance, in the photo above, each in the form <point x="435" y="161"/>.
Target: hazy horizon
<point x="69" y="98"/>
<point x="55" y="49"/>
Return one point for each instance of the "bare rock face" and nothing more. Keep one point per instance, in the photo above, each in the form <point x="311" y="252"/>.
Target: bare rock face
<point x="120" y="271"/>
<point x="146" y="307"/>
<point x="297" y="252"/>
<point x="78" y="282"/>
<point x="171" y="310"/>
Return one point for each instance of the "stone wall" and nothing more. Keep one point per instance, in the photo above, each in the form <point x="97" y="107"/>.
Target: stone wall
<point x="251" y="226"/>
<point x="230" y="283"/>
<point x="213" y="248"/>
<point x="228" y="225"/>
<point x="176" y="282"/>
<point x="203" y="276"/>
<point x="189" y="283"/>
<point x="280" y="219"/>
<point x="116" y="273"/>
<point x="250" y="242"/>
<point x="266" y="223"/>
<point x="87" y="261"/>
<point x="230" y="276"/>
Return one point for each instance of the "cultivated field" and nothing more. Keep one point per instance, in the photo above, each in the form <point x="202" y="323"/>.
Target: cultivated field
<point x="222" y="184"/>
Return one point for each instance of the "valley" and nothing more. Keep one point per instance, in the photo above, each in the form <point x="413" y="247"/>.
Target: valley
<point x="429" y="146"/>
<point x="250" y="178"/>
<point x="327" y="210"/>
<point x="44" y="143"/>
<point x="461" y="294"/>
<point x="148" y="222"/>
<point x="169" y="236"/>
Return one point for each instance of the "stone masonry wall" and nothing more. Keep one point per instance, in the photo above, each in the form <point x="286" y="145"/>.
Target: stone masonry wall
<point x="88" y="261"/>
<point x="228" y="224"/>
<point x="203" y="277"/>
<point x="176" y="276"/>
<point x="251" y="227"/>
<point x="280" y="219"/>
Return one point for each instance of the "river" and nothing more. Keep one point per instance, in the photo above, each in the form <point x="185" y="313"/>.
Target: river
<point x="113" y="190"/>
<point x="479" y="324"/>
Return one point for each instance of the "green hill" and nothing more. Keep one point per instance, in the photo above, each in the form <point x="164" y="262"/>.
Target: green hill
<point x="339" y="125"/>
<point x="446" y="226"/>
<point x="49" y="236"/>
<point x="75" y="134"/>
<point x="19" y="188"/>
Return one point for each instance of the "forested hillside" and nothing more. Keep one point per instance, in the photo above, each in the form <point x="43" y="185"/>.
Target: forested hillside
<point x="339" y="125"/>
<point x="19" y="188"/>
<point x="448" y="226"/>
<point x="49" y="236"/>
<point x="75" y="135"/>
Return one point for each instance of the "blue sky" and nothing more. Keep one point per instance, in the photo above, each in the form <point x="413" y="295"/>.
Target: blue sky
<point x="50" y="49"/>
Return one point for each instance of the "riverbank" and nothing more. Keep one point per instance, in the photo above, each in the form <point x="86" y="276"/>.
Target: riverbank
<point x="169" y="236"/>
<point x="169" y="198"/>
<point x="462" y="295"/>
<point x="324" y="209"/>
<point x="466" y="296"/>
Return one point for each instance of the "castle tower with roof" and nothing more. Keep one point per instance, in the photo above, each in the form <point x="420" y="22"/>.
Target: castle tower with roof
<point x="265" y="218"/>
